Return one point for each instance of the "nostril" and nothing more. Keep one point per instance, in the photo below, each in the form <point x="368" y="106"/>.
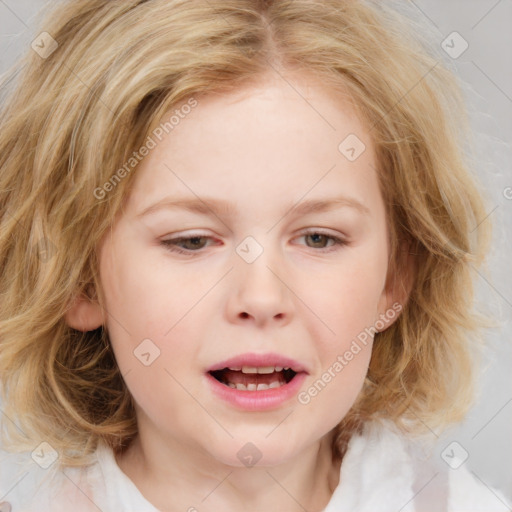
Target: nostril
<point x="244" y="314"/>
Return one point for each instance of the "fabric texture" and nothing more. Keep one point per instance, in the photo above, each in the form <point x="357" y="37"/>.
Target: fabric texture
<point x="382" y="471"/>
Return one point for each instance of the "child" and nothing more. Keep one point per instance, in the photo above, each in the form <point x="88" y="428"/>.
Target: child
<point x="236" y="246"/>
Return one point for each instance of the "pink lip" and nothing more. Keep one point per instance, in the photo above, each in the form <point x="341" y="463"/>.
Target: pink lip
<point x="259" y="360"/>
<point x="257" y="400"/>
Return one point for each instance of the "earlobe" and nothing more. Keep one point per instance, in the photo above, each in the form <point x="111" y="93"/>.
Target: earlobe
<point x="85" y="314"/>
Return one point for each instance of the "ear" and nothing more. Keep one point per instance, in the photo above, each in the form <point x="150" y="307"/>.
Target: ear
<point x="398" y="287"/>
<point x="85" y="313"/>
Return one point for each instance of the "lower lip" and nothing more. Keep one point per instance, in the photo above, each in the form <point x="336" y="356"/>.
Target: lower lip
<point x="257" y="400"/>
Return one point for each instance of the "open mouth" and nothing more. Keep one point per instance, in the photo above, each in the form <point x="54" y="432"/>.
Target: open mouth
<point x="246" y="378"/>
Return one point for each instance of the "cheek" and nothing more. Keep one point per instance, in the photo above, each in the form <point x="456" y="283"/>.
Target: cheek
<point x="152" y="322"/>
<point x="333" y="391"/>
<point x="146" y="322"/>
<point x="144" y="296"/>
<point x="139" y="305"/>
<point x="345" y="299"/>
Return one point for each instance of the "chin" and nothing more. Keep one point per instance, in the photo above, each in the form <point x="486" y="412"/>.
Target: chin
<point x="255" y="451"/>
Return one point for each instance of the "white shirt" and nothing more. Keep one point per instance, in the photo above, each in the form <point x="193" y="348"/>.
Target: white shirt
<point x="381" y="472"/>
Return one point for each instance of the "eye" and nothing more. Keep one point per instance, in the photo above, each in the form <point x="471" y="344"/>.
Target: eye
<point x="322" y="241"/>
<point x="186" y="245"/>
<point x="194" y="244"/>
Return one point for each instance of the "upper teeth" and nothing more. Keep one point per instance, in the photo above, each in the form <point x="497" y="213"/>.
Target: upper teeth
<point x="261" y="369"/>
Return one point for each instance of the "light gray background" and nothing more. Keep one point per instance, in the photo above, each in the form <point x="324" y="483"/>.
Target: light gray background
<point x="486" y="68"/>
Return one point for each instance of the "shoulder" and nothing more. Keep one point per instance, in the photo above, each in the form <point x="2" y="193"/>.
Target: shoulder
<point x="469" y="493"/>
<point x="34" y="481"/>
<point x="385" y="470"/>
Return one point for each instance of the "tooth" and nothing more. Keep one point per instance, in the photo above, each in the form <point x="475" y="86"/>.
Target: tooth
<point x="274" y="384"/>
<point x="241" y="387"/>
<point x="249" y="369"/>
<point x="279" y="368"/>
<point x="287" y="368"/>
<point x="266" y="369"/>
<point x="262" y="386"/>
<point x="251" y="386"/>
<point x="235" y="368"/>
<point x="231" y="385"/>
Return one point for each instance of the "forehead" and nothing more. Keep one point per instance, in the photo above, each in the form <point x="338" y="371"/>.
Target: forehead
<point x="276" y="134"/>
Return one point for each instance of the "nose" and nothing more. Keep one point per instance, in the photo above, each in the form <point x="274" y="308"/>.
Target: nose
<point x="259" y="294"/>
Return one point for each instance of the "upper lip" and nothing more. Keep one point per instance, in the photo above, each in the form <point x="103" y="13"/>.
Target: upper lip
<point x="258" y="361"/>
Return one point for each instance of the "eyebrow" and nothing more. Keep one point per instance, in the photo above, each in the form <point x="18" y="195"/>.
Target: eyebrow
<point x="208" y="206"/>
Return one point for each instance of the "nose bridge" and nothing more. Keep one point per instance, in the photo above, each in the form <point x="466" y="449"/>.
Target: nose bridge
<point x="258" y="293"/>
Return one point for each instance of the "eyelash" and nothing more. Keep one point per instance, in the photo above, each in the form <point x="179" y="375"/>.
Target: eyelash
<point x="171" y="244"/>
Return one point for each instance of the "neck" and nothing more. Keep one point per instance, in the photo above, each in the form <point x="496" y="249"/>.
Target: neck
<point x="180" y="477"/>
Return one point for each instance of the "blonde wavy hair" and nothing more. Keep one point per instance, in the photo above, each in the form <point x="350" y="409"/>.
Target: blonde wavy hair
<point x="71" y="118"/>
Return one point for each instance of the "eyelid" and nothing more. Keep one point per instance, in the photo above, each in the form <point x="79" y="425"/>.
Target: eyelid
<point x="339" y="240"/>
<point x="323" y="231"/>
<point x="171" y="244"/>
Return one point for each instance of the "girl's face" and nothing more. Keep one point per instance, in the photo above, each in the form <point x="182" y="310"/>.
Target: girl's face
<point x="210" y="267"/>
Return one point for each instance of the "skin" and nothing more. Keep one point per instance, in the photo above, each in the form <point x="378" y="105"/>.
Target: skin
<point x="261" y="149"/>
